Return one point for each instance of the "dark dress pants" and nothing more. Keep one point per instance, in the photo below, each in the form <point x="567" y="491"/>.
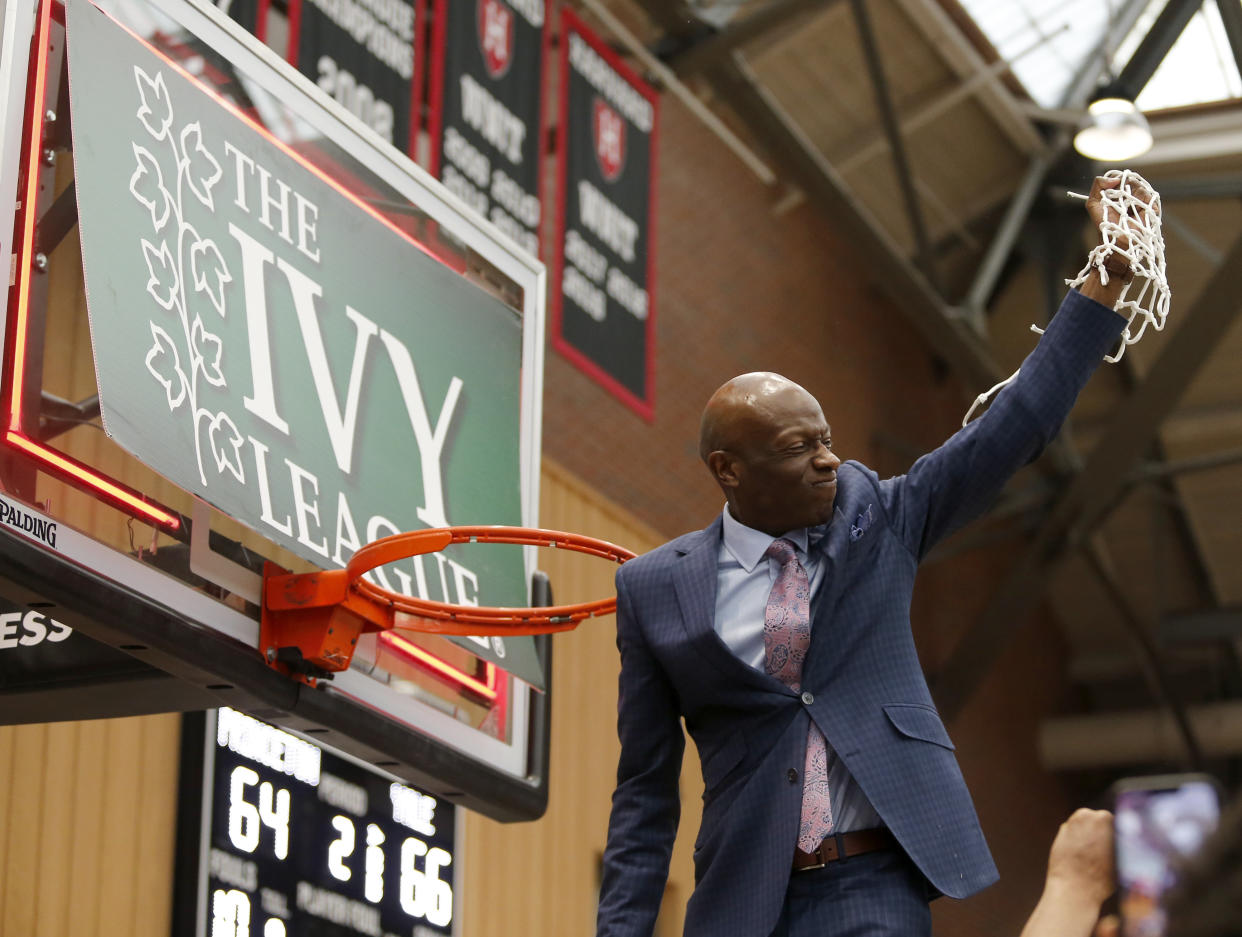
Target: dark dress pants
<point x="877" y="894"/>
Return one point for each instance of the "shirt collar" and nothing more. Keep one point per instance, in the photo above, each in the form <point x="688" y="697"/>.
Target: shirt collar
<point x="748" y="545"/>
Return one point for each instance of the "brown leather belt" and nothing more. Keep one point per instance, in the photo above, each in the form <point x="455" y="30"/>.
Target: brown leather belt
<point x="841" y="846"/>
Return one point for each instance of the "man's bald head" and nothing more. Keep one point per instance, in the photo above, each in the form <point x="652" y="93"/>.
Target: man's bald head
<point x="736" y="405"/>
<point x="767" y="445"/>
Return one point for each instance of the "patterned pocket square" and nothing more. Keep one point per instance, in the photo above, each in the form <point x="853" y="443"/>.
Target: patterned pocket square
<point x="862" y="525"/>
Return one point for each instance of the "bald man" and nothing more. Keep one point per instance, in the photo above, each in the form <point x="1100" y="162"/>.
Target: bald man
<point x="833" y="804"/>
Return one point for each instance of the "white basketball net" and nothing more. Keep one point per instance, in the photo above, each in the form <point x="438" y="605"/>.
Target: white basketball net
<point x="1144" y="301"/>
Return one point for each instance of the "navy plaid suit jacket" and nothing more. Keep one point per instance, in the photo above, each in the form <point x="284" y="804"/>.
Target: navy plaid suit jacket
<point x="870" y="697"/>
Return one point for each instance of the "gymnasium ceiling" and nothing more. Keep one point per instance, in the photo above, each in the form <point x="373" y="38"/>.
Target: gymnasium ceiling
<point x="939" y="143"/>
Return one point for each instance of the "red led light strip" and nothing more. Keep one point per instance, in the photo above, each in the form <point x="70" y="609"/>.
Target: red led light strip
<point x="34" y="123"/>
<point x="63" y="464"/>
<point x="55" y="461"/>
<point x="409" y="649"/>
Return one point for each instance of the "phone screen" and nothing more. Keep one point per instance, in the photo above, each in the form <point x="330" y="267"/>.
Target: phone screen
<point x="1155" y="830"/>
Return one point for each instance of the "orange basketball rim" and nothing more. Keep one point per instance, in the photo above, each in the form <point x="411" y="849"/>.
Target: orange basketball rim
<point x="311" y="622"/>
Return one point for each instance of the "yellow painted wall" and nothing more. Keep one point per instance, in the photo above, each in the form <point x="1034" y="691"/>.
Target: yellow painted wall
<point x="87" y="817"/>
<point x="87" y="809"/>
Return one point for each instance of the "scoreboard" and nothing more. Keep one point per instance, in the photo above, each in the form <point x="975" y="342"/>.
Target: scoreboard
<point x="280" y="837"/>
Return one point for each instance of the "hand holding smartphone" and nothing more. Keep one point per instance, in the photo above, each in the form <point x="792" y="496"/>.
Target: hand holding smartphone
<point x="1158" y="823"/>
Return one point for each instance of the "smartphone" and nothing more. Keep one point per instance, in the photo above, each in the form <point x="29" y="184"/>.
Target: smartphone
<point x="1159" y="822"/>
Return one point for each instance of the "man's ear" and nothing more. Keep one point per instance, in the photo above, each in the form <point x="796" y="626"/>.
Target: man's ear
<point x="723" y="468"/>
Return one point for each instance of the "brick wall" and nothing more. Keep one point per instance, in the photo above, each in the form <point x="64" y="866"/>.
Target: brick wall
<point x="742" y="288"/>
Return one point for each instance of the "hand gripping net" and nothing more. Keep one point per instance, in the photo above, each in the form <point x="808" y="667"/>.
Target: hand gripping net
<point x="1145" y="299"/>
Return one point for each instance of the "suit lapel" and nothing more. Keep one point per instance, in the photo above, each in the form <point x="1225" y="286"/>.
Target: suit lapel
<point x="824" y="631"/>
<point x="694" y="578"/>
<point x="694" y="581"/>
<point x="836" y="543"/>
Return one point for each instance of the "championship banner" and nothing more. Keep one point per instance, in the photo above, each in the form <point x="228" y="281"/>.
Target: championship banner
<point x="487" y="108"/>
<point x="270" y="344"/>
<point x="603" y="312"/>
<point x="363" y="54"/>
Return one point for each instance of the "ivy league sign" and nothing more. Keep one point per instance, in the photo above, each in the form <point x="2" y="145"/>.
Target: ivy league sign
<point x="271" y="345"/>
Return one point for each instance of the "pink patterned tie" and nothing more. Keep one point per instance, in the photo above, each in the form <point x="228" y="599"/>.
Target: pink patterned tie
<point x="786" y="637"/>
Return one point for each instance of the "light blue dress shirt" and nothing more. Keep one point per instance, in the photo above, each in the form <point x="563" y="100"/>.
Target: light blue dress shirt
<point x="744" y="578"/>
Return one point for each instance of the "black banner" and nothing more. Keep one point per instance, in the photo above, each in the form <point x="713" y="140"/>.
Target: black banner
<point x="486" y="109"/>
<point x="603" y="296"/>
<point x="363" y="54"/>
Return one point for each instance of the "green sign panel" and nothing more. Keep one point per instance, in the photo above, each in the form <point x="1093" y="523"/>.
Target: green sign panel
<point x="270" y="344"/>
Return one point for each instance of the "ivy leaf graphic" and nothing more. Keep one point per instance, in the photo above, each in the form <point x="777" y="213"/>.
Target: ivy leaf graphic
<point x="202" y="169"/>
<point x="163" y="269"/>
<point x="226" y="443"/>
<point x="209" y="270"/>
<point x="165" y="366"/>
<point x="147" y="185"/>
<point x="209" y="349"/>
<point x="156" y="111"/>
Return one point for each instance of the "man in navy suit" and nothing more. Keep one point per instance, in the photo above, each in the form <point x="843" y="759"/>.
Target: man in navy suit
<point x="691" y="617"/>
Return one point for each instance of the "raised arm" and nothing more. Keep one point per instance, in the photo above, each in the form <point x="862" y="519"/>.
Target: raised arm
<point x="957" y="482"/>
<point x="1080" y="877"/>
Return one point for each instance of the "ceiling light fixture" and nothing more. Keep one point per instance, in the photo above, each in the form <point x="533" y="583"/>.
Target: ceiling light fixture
<point x="1112" y="131"/>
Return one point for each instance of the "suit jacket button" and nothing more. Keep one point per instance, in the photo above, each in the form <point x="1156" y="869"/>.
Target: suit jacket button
<point x="792" y="775"/>
<point x="808" y="697"/>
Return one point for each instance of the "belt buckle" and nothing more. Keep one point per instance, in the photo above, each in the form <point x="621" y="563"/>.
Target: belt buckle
<point x="819" y="856"/>
<point x="838" y="839"/>
<point x="820" y="860"/>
